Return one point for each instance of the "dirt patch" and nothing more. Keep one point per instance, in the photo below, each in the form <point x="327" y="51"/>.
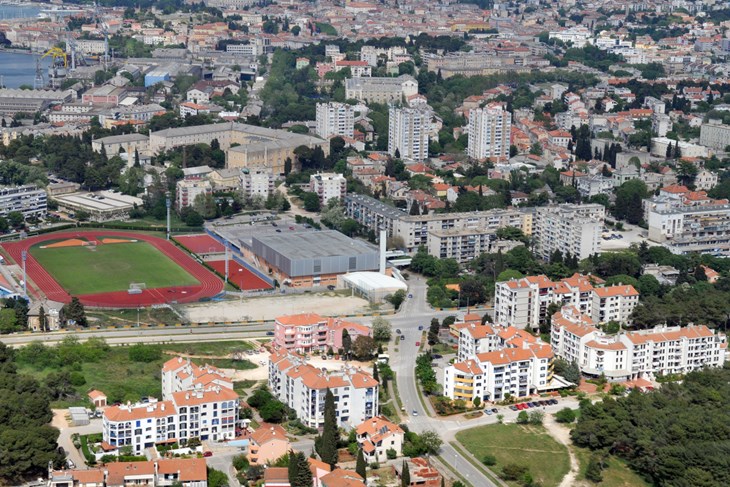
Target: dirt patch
<point x="59" y="419"/>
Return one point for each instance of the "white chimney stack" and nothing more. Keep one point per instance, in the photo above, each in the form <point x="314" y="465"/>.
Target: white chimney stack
<point x="383" y="243"/>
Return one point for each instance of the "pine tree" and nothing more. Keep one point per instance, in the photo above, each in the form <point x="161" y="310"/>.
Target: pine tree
<point x="136" y="158"/>
<point x="304" y="474"/>
<point x="346" y="342"/>
<point x="405" y="476"/>
<point x="433" y="331"/>
<point x="397" y="153"/>
<point x="360" y="466"/>
<point x="376" y="375"/>
<point x="327" y="442"/>
<point x="668" y="154"/>
<point x="42" y="319"/>
<point x="293" y="468"/>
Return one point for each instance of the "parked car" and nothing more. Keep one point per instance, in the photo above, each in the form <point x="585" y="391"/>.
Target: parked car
<point x="494" y="410"/>
<point x="410" y="296"/>
<point x="415" y="413"/>
<point x="269" y="333"/>
<point x="402" y="337"/>
<point x="331" y="287"/>
<point x="418" y="344"/>
<point x="488" y="412"/>
<point x="397" y="331"/>
<point x="513" y="407"/>
<point x="70" y="463"/>
<point x="420" y="328"/>
<point x="208" y="454"/>
<point x="437" y="355"/>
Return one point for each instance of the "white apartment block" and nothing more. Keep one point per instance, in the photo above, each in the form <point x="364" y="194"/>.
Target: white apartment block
<point x="465" y="245"/>
<point x="571" y="229"/>
<point x="489" y="133"/>
<point x="687" y="229"/>
<point x="408" y="130"/>
<point x="520" y="370"/>
<point x="303" y="387"/>
<point x="381" y="90"/>
<point x="189" y="189"/>
<point x="328" y="186"/>
<point x="335" y="119"/>
<point x="706" y="180"/>
<point x="421" y="230"/>
<point x="28" y="199"/>
<point x="523" y="302"/>
<point x="199" y="402"/>
<point x="257" y="182"/>
<point x="714" y="134"/>
<point x="647" y="353"/>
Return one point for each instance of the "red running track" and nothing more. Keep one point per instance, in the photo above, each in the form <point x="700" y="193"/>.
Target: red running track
<point x="209" y="286"/>
<point x="201" y="244"/>
<point x="239" y="275"/>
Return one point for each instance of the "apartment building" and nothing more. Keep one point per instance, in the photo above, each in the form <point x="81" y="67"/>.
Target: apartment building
<point x="257" y="182"/>
<point x="187" y="472"/>
<point x="328" y="186"/>
<point x="520" y="371"/>
<point x="376" y="436"/>
<point x="687" y="229"/>
<point x="303" y="387"/>
<point x="198" y="402"/>
<point x="523" y="303"/>
<point x="571" y="229"/>
<point x="646" y="353"/>
<point x="449" y="232"/>
<point x="335" y="119"/>
<point x="268" y="443"/>
<point x="189" y="189"/>
<point x="408" y="130"/>
<point x="464" y="245"/>
<point x="28" y="199"/>
<point x="489" y="133"/>
<point x="714" y="134"/>
<point x="312" y="333"/>
<point x="381" y="90"/>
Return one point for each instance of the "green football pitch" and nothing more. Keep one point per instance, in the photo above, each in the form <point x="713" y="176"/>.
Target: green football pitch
<point x="110" y="267"/>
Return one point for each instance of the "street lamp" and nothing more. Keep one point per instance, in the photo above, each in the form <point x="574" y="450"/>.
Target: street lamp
<point x="137" y="316"/>
<point x="24" y="255"/>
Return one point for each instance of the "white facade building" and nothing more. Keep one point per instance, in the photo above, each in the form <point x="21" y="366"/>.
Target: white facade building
<point x="303" y="387"/>
<point x="661" y="350"/>
<point x="571" y="229"/>
<point x="328" y="186"/>
<point x="523" y="302"/>
<point x="28" y="199"/>
<point x="257" y="182"/>
<point x="189" y="189"/>
<point x="335" y="119"/>
<point x="489" y="133"/>
<point x="408" y="132"/>
<point x="378" y="435"/>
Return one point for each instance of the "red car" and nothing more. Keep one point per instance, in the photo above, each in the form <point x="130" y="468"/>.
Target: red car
<point x="418" y="344"/>
<point x="208" y="454"/>
<point x="521" y="406"/>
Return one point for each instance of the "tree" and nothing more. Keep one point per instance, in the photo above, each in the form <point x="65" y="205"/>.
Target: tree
<point x="397" y="298"/>
<point x="523" y="418"/>
<point x="565" y="415"/>
<point x="568" y="370"/>
<point x="42" y="325"/>
<point x="346" y="341"/>
<point x="311" y="201"/>
<point x="204" y="204"/>
<point x="216" y="478"/>
<point x="299" y="473"/>
<point x="74" y="312"/>
<point x="431" y="441"/>
<point x="433" y="331"/>
<point x="364" y="347"/>
<point x="405" y="475"/>
<point x="326" y="444"/>
<point x="360" y="466"/>
<point x="594" y="469"/>
<point x="15" y="218"/>
<point x="382" y="329"/>
<point x="292" y="469"/>
<point x="273" y="411"/>
<point x="628" y="201"/>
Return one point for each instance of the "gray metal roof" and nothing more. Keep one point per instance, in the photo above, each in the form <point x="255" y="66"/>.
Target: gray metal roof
<point x="308" y="245"/>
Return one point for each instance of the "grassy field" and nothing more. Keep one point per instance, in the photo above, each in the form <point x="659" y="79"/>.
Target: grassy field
<point x="530" y="446"/>
<point x="111" y="267"/>
<point x="123" y="379"/>
<point x="618" y="474"/>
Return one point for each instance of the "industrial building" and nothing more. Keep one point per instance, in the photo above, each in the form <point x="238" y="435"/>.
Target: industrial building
<point x="101" y="206"/>
<point x="308" y="259"/>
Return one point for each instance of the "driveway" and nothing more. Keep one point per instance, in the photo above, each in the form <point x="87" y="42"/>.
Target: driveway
<point x="64" y="438"/>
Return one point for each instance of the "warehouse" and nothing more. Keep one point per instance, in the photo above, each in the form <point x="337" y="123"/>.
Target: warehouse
<point x="372" y="286"/>
<point x="310" y="259"/>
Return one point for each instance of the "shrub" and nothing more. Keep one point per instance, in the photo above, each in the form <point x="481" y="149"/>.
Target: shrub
<point x="77" y="379"/>
<point x="565" y="415"/>
<point x="536" y="417"/>
<point x="144" y="353"/>
<point x="374" y="465"/>
<point x="523" y="418"/>
<point x="489" y="460"/>
<point x="240" y="463"/>
<point x="512" y="471"/>
<point x="391" y="453"/>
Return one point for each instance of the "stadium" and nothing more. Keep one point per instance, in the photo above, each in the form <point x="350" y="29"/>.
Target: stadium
<point x="111" y="269"/>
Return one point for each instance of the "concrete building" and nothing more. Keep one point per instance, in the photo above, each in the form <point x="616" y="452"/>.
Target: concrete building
<point x="571" y="229"/>
<point x="257" y="182"/>
<point x="127" y="143"/>
<point x="628" y="355"/>
<point x="335" y="119"/>
<point x="189" y="189"/>
<point x="311" y="259"/>
<point x="187" y="472"/>
<point x="489" y="133"/>
<point x="418" y="230"/>
<point x="328" y="186"/>
<point x="180" y="374"/>
<point x="714" y="134"/>
<point x="104" y="95"/>
<point x="523" y="303"/>
<point x="267" y="444"/>
<point x="466" y="244"/>
<point x="590" y="186"/>
<point x="303" y="387"/>
<point x="661" y="124"/>
<point x="101" y="206"/>
<point x="376" y="436"/>
<point x="659" y="148"/>
<point x="514" y="363"/>
<point x="408" y="130"/>
<point x="381" y="90"/>
<point x="687" y="229"/>
<point x="28" y="199"/>
<point x="706" y="180"/>
<point x="312" y="333"/>
<point x="14" y="101"/>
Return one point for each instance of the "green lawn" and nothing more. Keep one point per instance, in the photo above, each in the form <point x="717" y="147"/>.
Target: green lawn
<point x="618" y="474"/>
<point x="530" y="446"/>
<point x="215" y="349"/>
<point x="111" y="267"/>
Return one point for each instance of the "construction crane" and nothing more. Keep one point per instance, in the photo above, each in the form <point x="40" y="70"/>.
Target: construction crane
<point x="102" y="25"/>
<point x="58" y="69"/>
